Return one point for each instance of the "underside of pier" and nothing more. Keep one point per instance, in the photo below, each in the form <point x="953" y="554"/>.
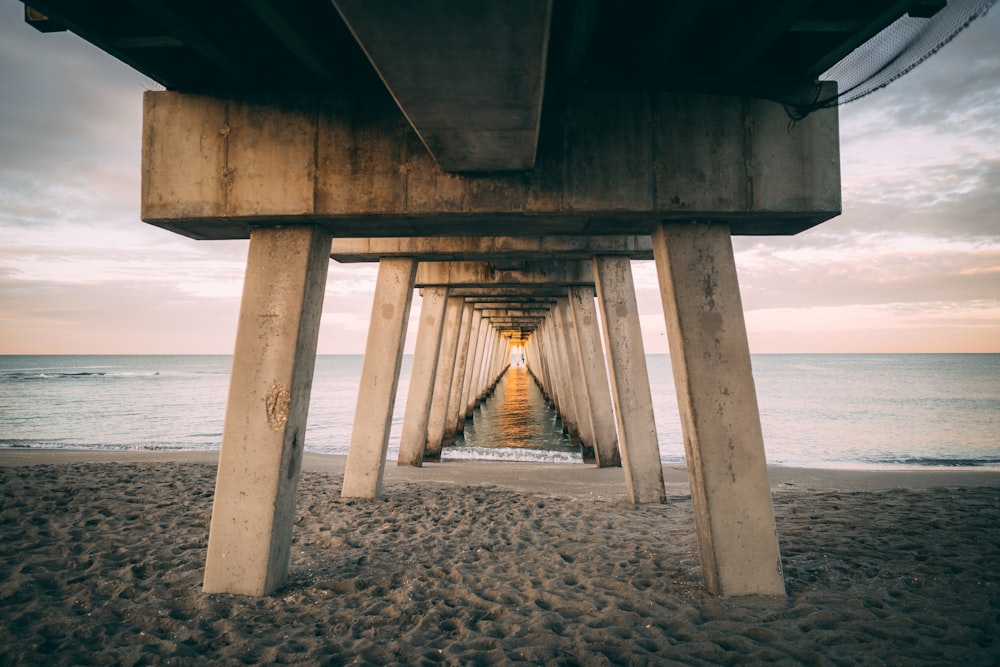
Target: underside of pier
<point x="507" y="158"/>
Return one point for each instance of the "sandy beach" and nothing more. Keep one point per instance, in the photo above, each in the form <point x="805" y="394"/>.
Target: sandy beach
<point x="491" y="563"/>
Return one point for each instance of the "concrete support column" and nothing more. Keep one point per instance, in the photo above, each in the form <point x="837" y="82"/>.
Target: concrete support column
<point x="538" y="343"/>
<point x="444" y="375"/>
<point x="724" y="446"/>
<point x="498" y="352"/>
<point x="567" y="392"/>
<point x="472" y="398"/>
<point x="379" y="378"/>
<point x="476" y="339"/>
<point x="537" y="365"/>
<point x="581" y="402"/>
<point x="555" y="367"/>
<point x="425" y="362"/>
<point x="629" y="380"/>
<point x="499" y="362"/>
<point x="485" y="365"/>
<point x="455" y="414"/>
<point x="595" y="376"/>
<point x="551" y="353"/>
<point x="489" y="367"/>
<point x="264" y="432"/>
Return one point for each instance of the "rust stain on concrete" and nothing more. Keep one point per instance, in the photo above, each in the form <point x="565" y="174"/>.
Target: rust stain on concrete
<point x="276" y="404"/>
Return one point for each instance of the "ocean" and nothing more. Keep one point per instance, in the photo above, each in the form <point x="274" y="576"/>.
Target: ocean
<point x="833" y="411"/>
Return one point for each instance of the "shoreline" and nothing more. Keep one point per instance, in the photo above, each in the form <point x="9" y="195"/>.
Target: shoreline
<point x="553" y="479"/>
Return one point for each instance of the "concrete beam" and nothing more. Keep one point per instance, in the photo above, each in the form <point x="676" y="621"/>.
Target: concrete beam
<point x="509" y="292"/>
<point x="214" y="167"/>
<point x="487" y="248"/>
<point x="525" y="312"/>
<point x="551" y="273"/>
<point x="469" y="76"/>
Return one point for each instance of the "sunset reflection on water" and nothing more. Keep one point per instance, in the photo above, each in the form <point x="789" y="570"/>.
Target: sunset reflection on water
<point x="516" y="416"/>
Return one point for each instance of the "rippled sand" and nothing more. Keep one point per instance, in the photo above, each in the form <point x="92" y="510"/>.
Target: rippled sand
<point x="100" y="563"/>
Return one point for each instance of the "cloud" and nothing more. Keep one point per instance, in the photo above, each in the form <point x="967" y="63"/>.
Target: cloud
<point x="64" y="100"/>
<point x="39" y="317"/>
<point x="955" y="90"/>
<point x="869" y="269"/>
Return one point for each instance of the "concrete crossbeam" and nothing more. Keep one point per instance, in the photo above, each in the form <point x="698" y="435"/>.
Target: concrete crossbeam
<point x="214" y="167"/>
<point x="551" y="273"/>
<point x="486" y="248"/>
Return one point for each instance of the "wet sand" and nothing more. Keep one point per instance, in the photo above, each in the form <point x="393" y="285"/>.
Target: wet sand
<point x="491" y="563"/>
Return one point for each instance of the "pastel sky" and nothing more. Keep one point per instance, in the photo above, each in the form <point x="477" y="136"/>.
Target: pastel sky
<point x="912" y="265"/>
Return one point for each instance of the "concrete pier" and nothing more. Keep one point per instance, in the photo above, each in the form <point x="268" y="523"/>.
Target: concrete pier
<point x="358" y="119"/>
<point x="565" y="356"/>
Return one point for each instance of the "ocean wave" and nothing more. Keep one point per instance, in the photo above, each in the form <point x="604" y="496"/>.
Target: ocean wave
<point x="35" y="376"/>
<point x="935" y="461"/>
<point x="512" y="454"/>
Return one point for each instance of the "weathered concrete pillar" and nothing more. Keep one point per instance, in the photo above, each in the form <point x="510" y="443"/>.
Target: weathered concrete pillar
<point x="444" y="375"/>
<point x="538" y="342"/>
<point x="536" y="363"/>
<point x="485" y="364"/>
<point x="475" y="340"/>
<point x="584" y="316"/>
<point x="425" y="361"/>
<point x="718" y="406"/>
<point x="498" y="365"/>
<point x="379" y="378"/>
<point x="494" y="372"/>
<point x="568" y="387"/>
<point x="629" y="380"/>
<point x="555" y="367"/>
<point x="581" y="402"/>
<point x="264" y="432"/>
<point x="455" y="414"/>
<point x="551" y="353"/>
<point x="472" y="397"/>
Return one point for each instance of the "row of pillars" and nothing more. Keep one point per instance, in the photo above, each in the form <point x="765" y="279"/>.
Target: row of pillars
<point x="458" y="357"/>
